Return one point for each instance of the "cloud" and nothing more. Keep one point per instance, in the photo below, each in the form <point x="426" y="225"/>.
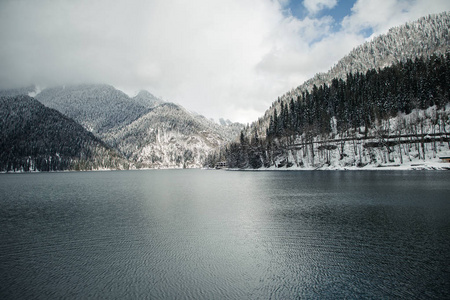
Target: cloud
<point x="382" y="15"/>
<point x="200" y="54"/>
<point x="292" y="55"/>
<point x="314" y="6"/>
<point x="226" y="59"/>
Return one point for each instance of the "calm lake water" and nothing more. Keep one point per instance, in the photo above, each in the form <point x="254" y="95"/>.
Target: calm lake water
<point x="195" y="234"/>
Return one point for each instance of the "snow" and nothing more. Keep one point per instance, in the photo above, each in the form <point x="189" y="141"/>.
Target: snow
<point x="413" y="165"/>
<point x="406" y="142"/>
<point x="169" y="136"/>
<point x="421" y="38"/>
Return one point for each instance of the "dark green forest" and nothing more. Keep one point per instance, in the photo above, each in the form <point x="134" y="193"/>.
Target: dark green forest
<point x="36" y="138"/>
<point x="356" y="104"/>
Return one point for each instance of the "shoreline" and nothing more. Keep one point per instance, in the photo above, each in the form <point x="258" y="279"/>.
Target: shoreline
<point x="413" y="166"/>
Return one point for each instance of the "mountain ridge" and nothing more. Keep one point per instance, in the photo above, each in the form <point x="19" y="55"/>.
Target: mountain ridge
<point x="400" y="43"/>
<point x="139" y="125"/>
<point x="169" y="136"/>
<point x="312" y="124"/>
<point x="98" y="108"/>
<point x="430" y="36"/>
<point x="37" y="138"/>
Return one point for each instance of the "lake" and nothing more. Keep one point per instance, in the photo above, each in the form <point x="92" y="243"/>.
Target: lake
<point x="198" y="234"/>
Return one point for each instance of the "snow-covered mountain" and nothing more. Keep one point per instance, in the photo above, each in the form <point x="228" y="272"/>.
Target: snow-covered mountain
<point x="146" y="130"/>
<point x="146" y="99"/>
<point x="99" y="108"/>
<point x="38" y="138"/>
<point x="170" y="137"/>
<point x="421" y="38"/>
<point x="386" y="103"/>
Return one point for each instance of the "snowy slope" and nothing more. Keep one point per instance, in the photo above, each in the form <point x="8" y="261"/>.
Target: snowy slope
<point x="422" y="38"/>
<point x="148" y="131"/>
<point x="99" y="108"/>
<point x="36" y="138"/>
<point x="170" y="137"/>
<point x="413" y="141"/>
<point x="394" y="120"/>
<point x="147" y="99"/>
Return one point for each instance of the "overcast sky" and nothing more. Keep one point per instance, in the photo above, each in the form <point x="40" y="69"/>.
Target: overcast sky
<point x="227" y="58"/>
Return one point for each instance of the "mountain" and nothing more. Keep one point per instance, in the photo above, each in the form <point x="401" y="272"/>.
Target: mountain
<point x="147" y="99"/>
<point x="37" y="138"/>
<point x="422" y="38"/>
<point x="170" y="137"/>
<point x="146" y="130"/>
<point x="394" y="113"/>
<point x="99" y="108"/>
<point x="425" y="37"/>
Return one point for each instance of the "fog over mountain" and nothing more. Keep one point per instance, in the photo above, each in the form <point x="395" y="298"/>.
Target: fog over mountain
<point x="147" y="131"/>
<point x="385" y="103"/>
<point x="364" y="93"/>
<point x="221" y="59"/>
<point x="422" y="38"/>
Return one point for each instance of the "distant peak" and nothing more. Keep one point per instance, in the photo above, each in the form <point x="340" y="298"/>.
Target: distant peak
<point x="147" y="99"/>
<point x="145" y="93"/>
<point x="36" y="90"/>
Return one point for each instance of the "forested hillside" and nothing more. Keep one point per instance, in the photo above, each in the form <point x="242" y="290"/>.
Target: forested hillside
<point x="422" y="38"/>
<point x="393" y="87"/>
<point x="146" y="130"/>
<point x="37" y="138"/>
<point x="396" y="114"/>
<point x="362" y="99"/>
<point x="170" y="137"/>
<point x="147" y="99"/>
<point x="98" y="108"/>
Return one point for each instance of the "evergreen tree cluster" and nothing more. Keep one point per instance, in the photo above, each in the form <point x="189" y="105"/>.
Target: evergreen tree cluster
<point x="364" y="98"/>
<point x="356" y="103"/>
<point x="118" y="132"/>
<point x="170" y="136"/>
<point x="424" y="37"/>
<point x="99" y="108"/>
<point x="36" y="138"/>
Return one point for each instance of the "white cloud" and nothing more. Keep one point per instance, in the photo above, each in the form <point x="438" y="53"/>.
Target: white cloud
<point x="382" y="15"/>
<point x="314" y="6"/>
<point x="292" y="57"/>
<point x="226" y="59"/>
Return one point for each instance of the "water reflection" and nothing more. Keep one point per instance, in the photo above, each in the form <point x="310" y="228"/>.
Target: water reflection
<point x="349" y="236"/>
<point x="216" y="234"/>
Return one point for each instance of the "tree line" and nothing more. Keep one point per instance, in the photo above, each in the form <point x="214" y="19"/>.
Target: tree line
<point x="36" y="138"/>
<point x="354" y="104"/>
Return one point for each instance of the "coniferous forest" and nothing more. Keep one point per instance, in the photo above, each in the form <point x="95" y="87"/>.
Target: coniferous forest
<point x="384" y="104"/>
<point x="38" y="138"/>
<point x="364" y="107"/>
<point x="95" y="127"/>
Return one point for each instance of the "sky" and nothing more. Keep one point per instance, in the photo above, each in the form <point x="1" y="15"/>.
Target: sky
<point x="221" y="58"/>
